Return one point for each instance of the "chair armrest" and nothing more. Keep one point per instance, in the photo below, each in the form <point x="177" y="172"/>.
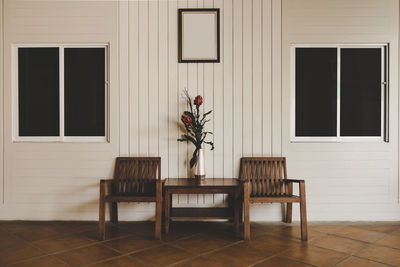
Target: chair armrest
<point x="294" y="181"/>
<point x="105" y="187"/>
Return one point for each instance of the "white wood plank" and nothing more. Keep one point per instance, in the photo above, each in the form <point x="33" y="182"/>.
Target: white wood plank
<point x="123" y="69"/>
<point x="134" y="77"/>
<point x="1" y="104"/>
<point x="143" y="78"/>
<point x="237" y="85"/>
<point x="183" y="165"/>
<point x="228" y="107"/>
<point x="276" y="78"/>
<point x="163" y="85"/>
<point x="266" y="77"/>
<point x="153" y="76"/>
<point x="247" y="69"/>
<point x="173" y="91"/>
<point x="257" y="101"/>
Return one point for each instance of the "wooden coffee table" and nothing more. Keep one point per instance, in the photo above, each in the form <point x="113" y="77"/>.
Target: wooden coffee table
<point x="230" y="186"/>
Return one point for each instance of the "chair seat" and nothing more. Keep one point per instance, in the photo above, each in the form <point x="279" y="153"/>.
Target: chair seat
<point x="127" y="198"/>
<point x="274" y="199"/>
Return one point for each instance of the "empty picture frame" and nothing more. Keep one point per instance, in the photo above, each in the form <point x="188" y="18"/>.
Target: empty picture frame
<point x="198" y="35"/>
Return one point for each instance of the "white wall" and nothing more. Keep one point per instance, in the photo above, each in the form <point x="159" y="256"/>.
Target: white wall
<point x="248" y="91"/>
<point x="348" y="181"/>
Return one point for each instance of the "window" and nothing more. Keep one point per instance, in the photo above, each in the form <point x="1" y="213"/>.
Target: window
<point x="61" y="93"/>
<point x="339" y="93"/>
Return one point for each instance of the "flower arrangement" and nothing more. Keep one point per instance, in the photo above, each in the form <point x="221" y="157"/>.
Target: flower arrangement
<point x="194" y="125"/>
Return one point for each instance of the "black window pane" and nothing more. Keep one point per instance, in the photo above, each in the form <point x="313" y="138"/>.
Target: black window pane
<point x="84" y="91"/>
<point x="316" y="91"/>
<point x="38" y="91"/>
<point x="360" y="96"/>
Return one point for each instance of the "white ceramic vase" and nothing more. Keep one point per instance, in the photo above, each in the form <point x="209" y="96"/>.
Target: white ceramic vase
<point x="200" y="173"/>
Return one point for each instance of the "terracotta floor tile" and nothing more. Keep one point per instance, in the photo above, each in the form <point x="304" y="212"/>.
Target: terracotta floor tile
<point x="271" y="243"/>
<point x="142" y="228"/>
<point x="295" y="233"/>
<point x="86" y="255"/>
<point x="392" y="241"/>
<point x="397" y="232"/>
<point x="18" y="252"/>
<point x="46" y="261"/>
<point x="281" y="262"/>
<point x="61" y="243"/>
<point x="132" y="243"/>
<point x="38" y="232"/>
<point x="26" y="226"/>
<point x="380" y="228"/>
<point x="112" y="232"/>
<point x="8" y="240"/>
<point x="121" y="262"/>
<point x="359" y="234"/>
<point x="202" y="243"/>
<point x="75" y="227"/>
<point x="381" y="254"/>
<point x="358" y="262"/>
<point x="238" y="256"/>
<point x="162" y="256"/>
<point x="200" y="262"/>
<point x="325" y="228"/>
<point x="338" y="243"/>
<point x="314" y="255"/>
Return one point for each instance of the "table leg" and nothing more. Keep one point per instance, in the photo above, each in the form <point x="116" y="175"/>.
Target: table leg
<point x="167" y="203"/>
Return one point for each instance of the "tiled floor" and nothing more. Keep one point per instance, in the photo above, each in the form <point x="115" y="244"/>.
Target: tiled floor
<point x="198" y="244"/>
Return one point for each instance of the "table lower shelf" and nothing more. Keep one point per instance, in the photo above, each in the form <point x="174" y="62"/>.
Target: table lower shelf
<point x="186" y="214"/>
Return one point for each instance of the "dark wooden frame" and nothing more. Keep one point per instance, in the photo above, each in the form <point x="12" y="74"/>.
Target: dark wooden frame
<point x="180" y="59"/>
<point x="233" y="187"/>
<point x="134" y="181"/>
<point x="265" y="181"/>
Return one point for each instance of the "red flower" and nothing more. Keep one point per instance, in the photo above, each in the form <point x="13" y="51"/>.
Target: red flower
<point x="198" y="100"/>
<point x="187" y="120"/>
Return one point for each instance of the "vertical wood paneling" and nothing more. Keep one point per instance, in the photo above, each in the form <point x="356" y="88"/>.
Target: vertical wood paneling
<point x="143" y="78"/>
<point x="235" y="89"/>
<point x="173" y="93"/>
<point x="276" y="78"/>
<point x="123" y="69"/>
<point x="163" y="84"/>
<point x="153" y="103"/>
<point x="219" y="102"/>
<point x="266" y="77"/>
<point x="237" y="84"/>
<point x="1" y="102"/>
<point x="247" y="69"/>
<point x="257" y="101"/>
<point x="184" y="166"/>
<point x="227" y="57"/>
<point x="133" y="55"/>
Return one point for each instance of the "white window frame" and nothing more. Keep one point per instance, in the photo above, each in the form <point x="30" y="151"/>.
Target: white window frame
<point x="338" y="138"/>
<point x="62" y="137"/>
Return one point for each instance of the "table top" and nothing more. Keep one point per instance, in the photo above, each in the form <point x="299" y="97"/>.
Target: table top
<point x="207" y="182"/>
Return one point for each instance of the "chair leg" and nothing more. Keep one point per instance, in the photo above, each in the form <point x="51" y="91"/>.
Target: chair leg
<point x="303" y="212"/>
<point x="237" y="211"/>
<point x="102" y="213"/>
<point x="157" y="233"/>
<point x="289" y="205"/>
<point x="114" y="212"/>
<point x="246" y="208"/>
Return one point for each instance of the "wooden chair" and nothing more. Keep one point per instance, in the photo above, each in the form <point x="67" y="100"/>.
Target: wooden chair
<point x="136" y="179"/>
<point x="265" y="181"/>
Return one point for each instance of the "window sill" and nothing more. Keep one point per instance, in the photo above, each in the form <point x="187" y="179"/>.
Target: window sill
<point x="74" y="139"/>
<point x="366" y="139"/>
